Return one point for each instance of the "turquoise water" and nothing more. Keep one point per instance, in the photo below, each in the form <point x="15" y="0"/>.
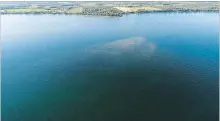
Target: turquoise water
<point x="146" y="67"/>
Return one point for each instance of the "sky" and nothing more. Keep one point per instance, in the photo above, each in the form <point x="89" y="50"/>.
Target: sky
<point x="108" y="0"/>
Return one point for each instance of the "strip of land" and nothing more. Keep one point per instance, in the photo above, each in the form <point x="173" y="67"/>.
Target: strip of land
<point x="104" y="8"/>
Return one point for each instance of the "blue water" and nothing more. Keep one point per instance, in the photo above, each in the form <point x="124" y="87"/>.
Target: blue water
<point x="139" y="67"/>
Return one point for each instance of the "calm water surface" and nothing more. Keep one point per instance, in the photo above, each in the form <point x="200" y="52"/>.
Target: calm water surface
<point x="147" y="67"/>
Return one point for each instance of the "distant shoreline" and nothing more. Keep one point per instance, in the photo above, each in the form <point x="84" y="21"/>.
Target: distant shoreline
<point x="113" y="9"/>
<point x="123" y="14"/>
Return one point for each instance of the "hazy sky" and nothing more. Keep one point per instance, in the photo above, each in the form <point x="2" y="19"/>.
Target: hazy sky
<point x="106" y="0"/>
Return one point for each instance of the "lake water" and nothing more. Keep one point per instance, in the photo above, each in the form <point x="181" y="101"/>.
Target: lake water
<point x="146" y="67"/>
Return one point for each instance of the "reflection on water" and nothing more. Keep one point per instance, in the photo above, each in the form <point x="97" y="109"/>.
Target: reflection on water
<point x="118" y="52"/>
<point x="136" y="45"/>
<point x="132" y="68"/>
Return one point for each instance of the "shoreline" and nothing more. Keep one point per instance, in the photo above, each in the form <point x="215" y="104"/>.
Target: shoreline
<point x="121" y="15"/>
<point x="112" y="9"/>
